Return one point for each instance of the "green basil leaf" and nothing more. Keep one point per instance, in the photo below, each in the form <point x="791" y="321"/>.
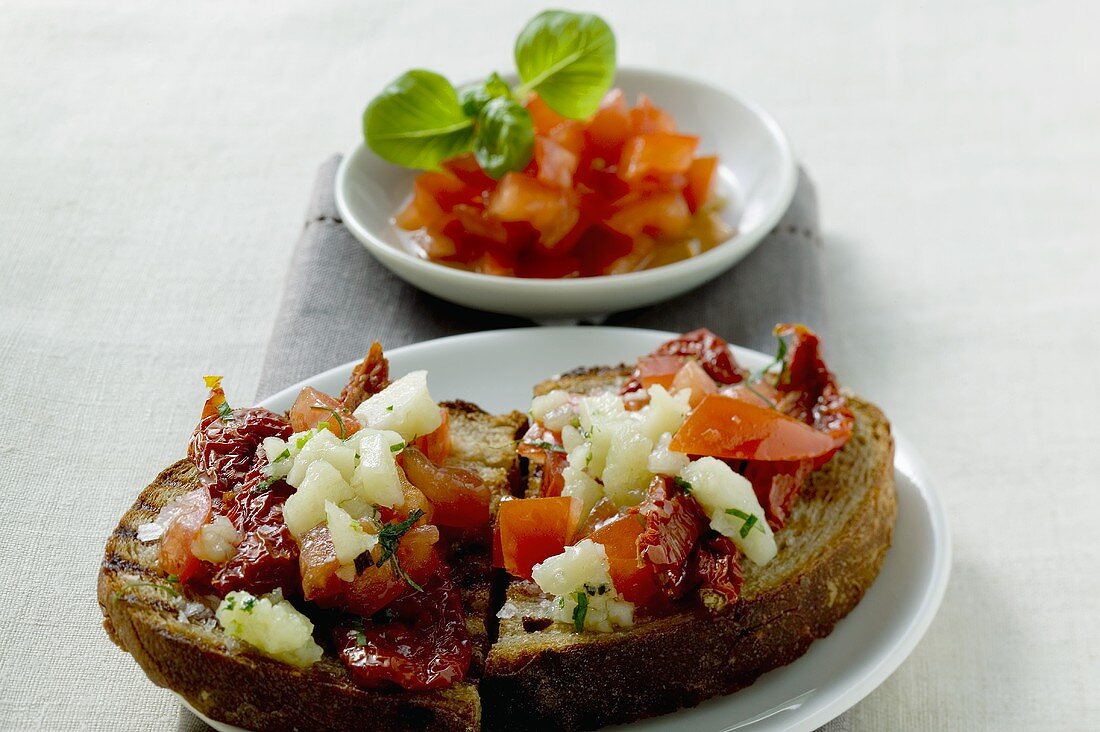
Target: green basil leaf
<point x="474" y="98"/>
<point x="505" y="137"/>
<point x="569" y="59"/>
<point x="417" y="121"/>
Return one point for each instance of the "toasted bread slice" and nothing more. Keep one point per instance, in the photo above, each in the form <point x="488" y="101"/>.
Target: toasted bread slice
<point x="830" y="551"/>
<point x="174" y="637"/>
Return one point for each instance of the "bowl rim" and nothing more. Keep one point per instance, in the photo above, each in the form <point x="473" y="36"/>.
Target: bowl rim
<point x="710" y="259"/>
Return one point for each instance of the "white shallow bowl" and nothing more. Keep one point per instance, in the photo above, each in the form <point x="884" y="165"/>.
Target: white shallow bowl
<point x="497" y="370"/>
<point x="757" y="175"/>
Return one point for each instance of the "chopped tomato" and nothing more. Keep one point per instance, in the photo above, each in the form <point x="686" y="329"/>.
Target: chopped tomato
<point x="477" y="222"/>
<point x="545" y="119"/>
<point x="700" y="182"/>
<point x="460" y="497"/>
<point x="435" y="193"/>
<point x="659" y="370"/>
<point x="313" y="407"/>
<point x="318" y="564"/>
<point x="538" y="441"/>
<point x="760" y="393"/>
<point x="465" y="168"/>
<point x="437" y="444"/>
<point x="730" y="428"/>
<point x="553" y="480"/>
<point x="604" y="510"/>
<point x="647" y="117"/>
<point x="600" y="248"/>
<point x="664" y="215"/>
<point x="609" y="127"/>
<point x="556" y="165"/>
<point x="533" y="529"/>
<point x="376" y="586"/>
<point x="673" y="524"/>
<point x="692" y="376"/>
<point x="570" y="135"/>
<point x="633" y="577"/>
<point x="712" y="352"/>
<point x="183" y="518"/>
<point x="657" y="153"/>
<point x="522" y="198"/>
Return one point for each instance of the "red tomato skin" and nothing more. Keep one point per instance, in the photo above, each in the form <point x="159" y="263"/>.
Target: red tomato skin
<point x="664" y="215"/>
<point x="176" y="556"/>
<point x="533" y="529"/>
<point x="700" y="181"/>
<point x="376" y="587"/>
<point x="609" y="128"/>
<point x="313" y="407"/>
<point x="555" y="164"/>
<point x="437" y="444"/>
<point x="692" y="376"/>
<point x="647" y="118"/>
<point x="520" y="197"/>
<point x="318" y="564"/>
<point x="633" y="578"/>
<point x="459" y="497"/>
<point x="658" y="153"/>
<point x="553" y="480"/>
<point x="729" y="428"/>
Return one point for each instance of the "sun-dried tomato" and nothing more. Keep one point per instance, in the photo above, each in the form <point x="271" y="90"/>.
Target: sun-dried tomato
<point x="369" y="377"/>
<point x="424" y="644"/>
<point x="267" y="557"/>
<point x="815" y="397"/>
<point x="673" y="524"/>
<point x="711" y="351"/>
<point x="225" y="449"/>
<point x="717" y="567"/>
<point x="776" y="484"/>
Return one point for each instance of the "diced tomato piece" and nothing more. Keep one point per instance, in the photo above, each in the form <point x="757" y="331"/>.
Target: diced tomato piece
<point x="460" y="497"/>
<point x="184" y="517"/>
<point x="599" y="248"/>
<point x="570" y="135"/>
<point x="545" y="119"/>
<point x="664" y="215"/>
<point x="313" y="407"/>
<point x="414" y="500"/>
<point x="533" y="529"/>
<point x="700" y="181"/>
<point x="318" y="564"/>
<point x="712" y="352"/>
<point x="760" y="393"/>
<point x="604" y="510"/>
<point x="658" y="370"/>
<point x="609" y="128"/>
<point x="496" y="262"/>
<point x="537" y="441"/>
<point x="647" y="117"/>
<point x="465" y="168"/>
<point x="475" y="221"/>
<point x="633" y="577"/>
<point x="692" y="376"/>
<point x="659" y="152"/>
<point x="522" y="198"/>
<point x="377" y="586"/>
<point x="437" y="444"/>
<point x="467" y="247"/>
<point x="546" y="266"/>
<point x="555" y="164"/>
<point x="421" y="210"/>
<point x="447" y="189"/>
<point x="553" y="481"/>
<point x="730" y="428"/>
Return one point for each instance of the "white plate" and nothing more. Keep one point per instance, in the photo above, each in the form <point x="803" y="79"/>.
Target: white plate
<point x="758" y="174"/>
<point x="497" y="370"/>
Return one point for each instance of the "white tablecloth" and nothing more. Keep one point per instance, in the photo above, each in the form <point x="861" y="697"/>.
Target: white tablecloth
<point x="155" y="159"/>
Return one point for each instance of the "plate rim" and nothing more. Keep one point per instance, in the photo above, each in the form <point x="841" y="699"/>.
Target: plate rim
<point x="907" y="461"/>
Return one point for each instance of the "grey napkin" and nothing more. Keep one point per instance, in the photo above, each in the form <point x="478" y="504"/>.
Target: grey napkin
<point x="338" y="300"/>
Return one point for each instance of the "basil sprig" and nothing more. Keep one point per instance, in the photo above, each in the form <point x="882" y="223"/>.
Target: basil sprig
<point x="419" y="120"/>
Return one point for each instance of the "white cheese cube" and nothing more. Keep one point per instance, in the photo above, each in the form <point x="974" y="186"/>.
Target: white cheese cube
<point x="323" y="446"/>
<point x="217" y="541"/>
<point x="571" y="438"/>
<point x="665" y="412"/>
<point x="280" y="456"/>
<point x="405" y="406"/>
<point x="271" y="625"/>
<point x="543" y="405"/>
<point x="375" y="480"/>
<point x="729" y="500"/>
<point x="578" y="483"/>
<point x="626" y="473"/>
<point x="349" y="537"/>
<point x="580" y="576"/>
<point x="664" y="461"/>
<point x="305" y="508"/>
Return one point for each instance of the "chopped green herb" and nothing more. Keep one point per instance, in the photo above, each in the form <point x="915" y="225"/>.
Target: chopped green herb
<point x="685" y="486"/>
<point x="780" y="360"/>
<point x="230" y="603"/>
<point x="360" y="638"/>
<point x="284" y="455"/>
<point x="225" y="411"/>
<point x="301" y="441"/>
<point x="173" y="578"/>
<point x="335" y="415"/>
<point x="751" y="521"/>
<point x="548" y="446"/>
<point x="389" y="408"/>
<point x="265" y="484"/>
<point x="580" y="611"/>
<point x="769" y="402"/>
<point x="249" y="604"/>
<point x="397" y="447"/>
<point x="389" y="537"/>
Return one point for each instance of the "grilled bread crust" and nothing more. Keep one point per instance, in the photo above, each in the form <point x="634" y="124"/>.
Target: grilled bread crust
<point x="830" y="552"/>
<point x="174" y="638"/>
